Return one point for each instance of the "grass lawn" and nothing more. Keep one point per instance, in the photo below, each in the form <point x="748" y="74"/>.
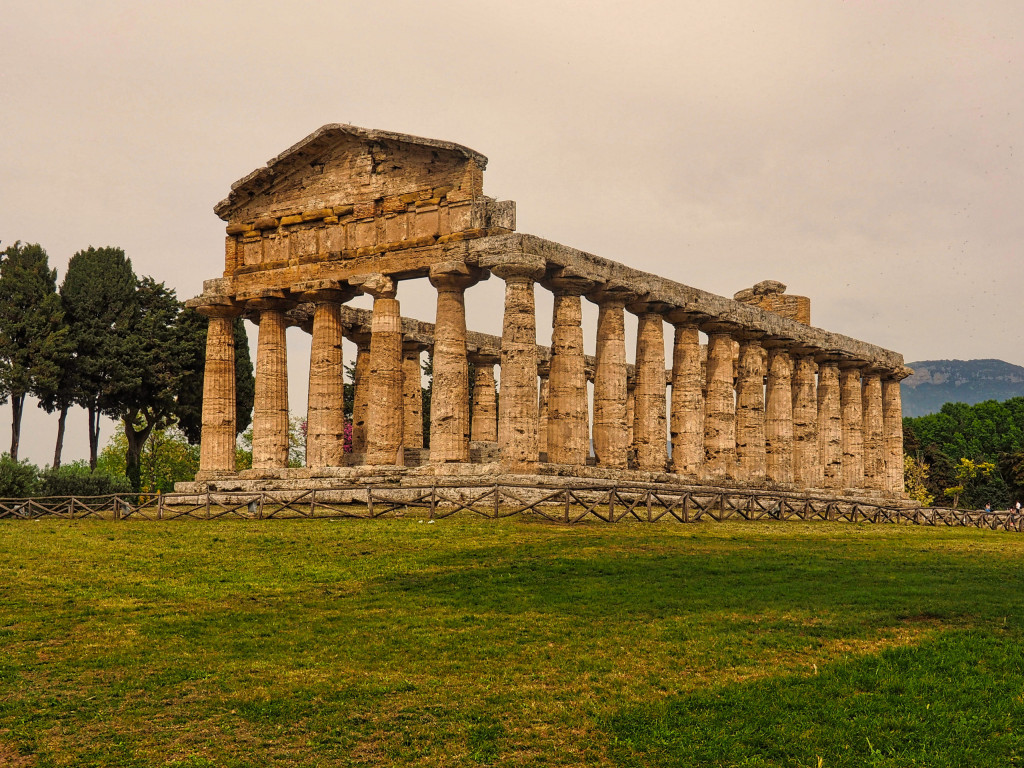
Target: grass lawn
<point x="468" y="642"/>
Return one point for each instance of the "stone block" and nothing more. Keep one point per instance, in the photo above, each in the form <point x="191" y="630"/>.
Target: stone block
<point x="287" y="221"/>
<point x="427" y="223"/>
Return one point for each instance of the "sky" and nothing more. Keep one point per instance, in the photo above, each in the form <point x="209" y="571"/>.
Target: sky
<point x="865" y="153"/>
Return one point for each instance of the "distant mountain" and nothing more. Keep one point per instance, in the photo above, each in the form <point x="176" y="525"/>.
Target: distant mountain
<point x="962" y="381"/>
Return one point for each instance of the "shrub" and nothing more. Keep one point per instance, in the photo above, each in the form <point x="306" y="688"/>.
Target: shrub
<point x="18" y="479"/>
<point x="76" y="479"/>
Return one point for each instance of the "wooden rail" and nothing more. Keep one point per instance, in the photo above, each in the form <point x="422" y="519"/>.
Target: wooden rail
<point x="642" y="503"/>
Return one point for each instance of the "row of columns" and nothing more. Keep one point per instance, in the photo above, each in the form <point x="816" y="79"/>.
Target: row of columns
<point x="818" y="423"/>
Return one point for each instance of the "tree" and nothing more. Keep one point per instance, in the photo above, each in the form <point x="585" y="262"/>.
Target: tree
<point x="166" y="459"/>
<point x="915" y="479"/>
<point x="99" y="297"/>
<point x="189" y="408"/>
<point x="33" y="336"/>
<point x="967" y="473"/>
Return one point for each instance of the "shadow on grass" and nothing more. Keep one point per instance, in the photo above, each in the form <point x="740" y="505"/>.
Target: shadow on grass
<point x="954" y="700"/>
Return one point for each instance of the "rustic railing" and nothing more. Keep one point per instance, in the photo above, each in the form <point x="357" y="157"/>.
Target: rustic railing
<point x="641" y="503"/>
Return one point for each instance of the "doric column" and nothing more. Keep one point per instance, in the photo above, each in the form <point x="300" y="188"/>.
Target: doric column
<point x="449" y="402"/>
<point x="874" y="444"/>
<point x="384" y="411"/>
<point x="611" y="431"/>
<point x="850" y="403"/>
<point x="649" y="429"/>
<point x="567" y="429"/>
<point x="807" y="470"/>
<point x="412" y="395"/>
<point x="892" y="426"/>
<point x="750" y="435"/>
<point x="360" y="392"/>
<point x="778" y="419"/>
<point x="270" y="412"/>
<point x="544" y="374"/>
<point x="631" y="417"/>
<point x="830" y="425"/>
<point x="217" y="447"/>
<point x="325" y="417"/>
<point x="517" y="404"/>
<point x="687" y="420"/>
<point x="484" y="420"/>
<point x="719" y="409"/>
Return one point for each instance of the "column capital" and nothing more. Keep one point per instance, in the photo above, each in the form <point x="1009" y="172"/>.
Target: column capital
<point x="413" y="346"/>
<point x="569" y="282"/>
<point x="481" y="357"/>
<point x="516" y="266"/>
<point x="378" y="285"/>
<point x="683" y="318"/>
<point x="280" y="301"/>
<point x="898" y="375"/>
<point x="610" y="295"/>
<point x="544" y="368"/>
<point x="642" y="307"/>
<point x="219" y="308"/>
<point x="322" y="291"/>
<point x="455" y="275"/>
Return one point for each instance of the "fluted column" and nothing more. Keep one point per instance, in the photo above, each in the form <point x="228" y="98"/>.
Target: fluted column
<point x="892" y="425"/>
<point x="484" y="422"/>
<point x="217" y="446"/>
<point x="449" y="402"/>
<point x="412" y="395"/>
<point x="778" y="421"/>
<point x="325" y="417"/>
<point x="544" y="390"/>
<point x="270" y="412"/>
<point x="611" y="439"/>
<point x="807" y="469"/>
<point x="851" y="405"/>
<point x="874" y="442"/>
<point x="631" y="417"/>
<point x="750" y="433"/>
<point x="384" y="412"/>
<point x="830" y="425"/>
<point x="719" y="409"/>
<point x="517" y="405"/>
<point x="687" y="420"/>
<point x="567" y="429"/>
<point x="649" y="427"/>
<point x="360" y="392"/>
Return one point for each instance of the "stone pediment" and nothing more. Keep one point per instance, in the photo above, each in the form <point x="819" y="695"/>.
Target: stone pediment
<point x="341" y="165"/>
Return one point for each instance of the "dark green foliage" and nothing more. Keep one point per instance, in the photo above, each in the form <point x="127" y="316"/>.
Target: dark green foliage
<point x="988" y="431"/>
<point x="99" y="299"/>
<point x="18" y="479"/>
<point x="34" y="341"/>
<point x="76" y="479"/>
<point x="189" y="408"/>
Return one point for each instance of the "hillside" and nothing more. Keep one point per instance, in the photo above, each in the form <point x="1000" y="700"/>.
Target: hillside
<point x="966" y="381"/>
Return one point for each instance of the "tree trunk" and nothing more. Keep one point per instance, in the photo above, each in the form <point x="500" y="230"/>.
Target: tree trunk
<point x="94" y="436"/>
<point x="133" y="457"/>
<point x="61" y="420"/>
<point x="17" y="408"/>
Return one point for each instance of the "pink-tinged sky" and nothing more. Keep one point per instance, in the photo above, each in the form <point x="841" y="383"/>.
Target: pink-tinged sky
<point x="865" y="153"/>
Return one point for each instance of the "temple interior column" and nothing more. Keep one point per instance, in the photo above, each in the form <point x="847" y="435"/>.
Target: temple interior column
<point x="874" y="441"/>
<point x="544" y="391"/>
<point x="830" y="425"/>
<point x="892" y="425"/>
<point x="807" y="469"/>
<point x="631" y="418"/>
<point x="567" y="428"/>
<point x="325" y="417"/>
<point x="687" y="420"/>
<point x="360" y="392"/>
<point x="778" y="427"/>
<point x="649" y="428"/>
<point x="750" y="428"/>
<point x="517" y="404"/>
<point x="611" y="432"/>
<point x="384" y="411"/>
<point x="449" y="404"/>
<point x="719" y="409"/>
<point x="412" y="395"/>
<point x="217" y="445"/>
<point x="270" y="412"/>
<point x="851" y="406"/>
<point x="484" y="422"/>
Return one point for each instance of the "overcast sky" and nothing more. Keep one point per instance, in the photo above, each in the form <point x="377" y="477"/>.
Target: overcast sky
<point x="867" y="154"/>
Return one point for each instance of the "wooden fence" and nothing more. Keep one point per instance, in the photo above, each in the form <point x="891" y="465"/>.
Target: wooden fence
<point x="645" y="504"/>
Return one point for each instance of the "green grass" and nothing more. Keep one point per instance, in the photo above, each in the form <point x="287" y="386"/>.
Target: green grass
<point x="467" y="642"/>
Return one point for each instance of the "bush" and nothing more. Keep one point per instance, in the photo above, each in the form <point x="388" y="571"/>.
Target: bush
<point x="18" y="479"/>
<point x="76" y="479"/>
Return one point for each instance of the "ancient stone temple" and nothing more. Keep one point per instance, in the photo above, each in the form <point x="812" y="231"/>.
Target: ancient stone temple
<point x="753" y="395"/>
